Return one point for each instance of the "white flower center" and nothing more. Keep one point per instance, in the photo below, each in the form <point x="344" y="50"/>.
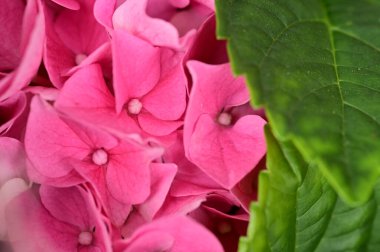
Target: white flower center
<point x="180" y="4"/>
<point x="225" y="119"/>
<point x="85" y="238"/>
<point x="100" y="157"/>
<point x="134" y="106"/>
<point x="79" y="58"/>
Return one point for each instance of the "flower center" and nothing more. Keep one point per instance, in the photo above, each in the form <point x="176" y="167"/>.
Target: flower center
<point x="100" y="157"/>
<point x="134" y="106"/>
<point x="79" y="58"/>
<point x="180" y="4"/>
<point x="224" y="227"/>
<point x="85" y="238"/>
<point x="225" y="119"/>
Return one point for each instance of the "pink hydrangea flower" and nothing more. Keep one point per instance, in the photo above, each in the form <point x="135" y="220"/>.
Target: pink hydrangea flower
<point x="149" y="84"/>
<point x="217" y="138"/>
<point x="117" y="168"/>
<point x="64" y="219"/>
<point x="73" y="38"/>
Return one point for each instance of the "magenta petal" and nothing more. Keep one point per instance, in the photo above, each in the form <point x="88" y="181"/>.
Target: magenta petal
<point x="131" y="16"/>
<point x="227" y="154"/>
<point x="136" y="67"/>
<point x="60" y="144"/>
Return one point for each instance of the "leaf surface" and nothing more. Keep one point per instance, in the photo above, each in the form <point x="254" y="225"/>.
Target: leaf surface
<point x="315" y="67"/>
<point x="299" y="211"/>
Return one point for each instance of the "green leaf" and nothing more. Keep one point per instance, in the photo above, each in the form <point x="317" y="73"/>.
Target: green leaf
<point x="303" y="213"/>
<point x="315" y="67"/>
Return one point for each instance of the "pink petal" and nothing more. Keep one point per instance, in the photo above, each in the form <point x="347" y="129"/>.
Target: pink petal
<point x="79" y="31"/>
<point x="12" y="160"/>
<point x="185" y="234"/>
<point x="103" y="12"/>
<point x="128" y="172"/>
<point x="131" y="16"/>
<point x="32" y="228"/>
<point x="11" y="14"/>
<point x="157" y="127"/>
<point x="227" y="154"/>
<point x="53" y="153"/>
<point x="69" y="4"/>
<point x="214" y="88"/>
<point x="167" y="101"/>
<point x="136" y="67"/>
<point x="76" y="207"/>
<point x="70" y="179"/>
<point x="31" y="51"/>
<point x="116" y="211"/>
<point x="67" y="205"/>
<point x="86" y="98"/>
<point x="162" y="177"/>
<point x="189" y="180"/>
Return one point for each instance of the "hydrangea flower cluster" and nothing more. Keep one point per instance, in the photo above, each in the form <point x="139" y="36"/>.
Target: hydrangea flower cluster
<point x="122" y="128"/>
